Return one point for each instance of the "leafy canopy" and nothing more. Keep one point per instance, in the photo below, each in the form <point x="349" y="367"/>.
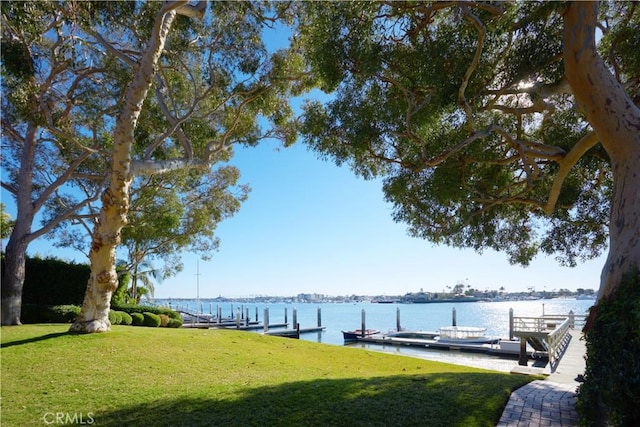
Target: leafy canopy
<point x="464" y="111"/>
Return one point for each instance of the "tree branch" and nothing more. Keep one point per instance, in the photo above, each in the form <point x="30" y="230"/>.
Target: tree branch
<point x="566" y="164"/>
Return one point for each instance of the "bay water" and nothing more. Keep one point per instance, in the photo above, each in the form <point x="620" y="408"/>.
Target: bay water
<point x="336" y="317"/>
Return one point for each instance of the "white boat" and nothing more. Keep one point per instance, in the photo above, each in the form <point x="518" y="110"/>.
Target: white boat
<point x="425" y="335"/>
<point x="464" y="335"/>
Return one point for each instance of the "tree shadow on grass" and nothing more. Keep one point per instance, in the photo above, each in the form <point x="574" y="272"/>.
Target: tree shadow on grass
<point x="34" y="339"/>
<point x="444" y="399"/>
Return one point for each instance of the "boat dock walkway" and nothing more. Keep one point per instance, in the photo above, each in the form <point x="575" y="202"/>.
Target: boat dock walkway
<point x="549" y="402"/>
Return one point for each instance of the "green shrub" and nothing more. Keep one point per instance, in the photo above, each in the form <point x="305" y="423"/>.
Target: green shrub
<point x="62" y="313"/>
<point x="174" y="323"/>
<point x="36" y="313"/>
<point x="132" y="308"/>
<point x="115" y="317"/>
<point x="137" y="319"/>
<point x="164" y="320"/>
<point x="126" y="318"/>
<point x="611" y="391"/>
<point x="151" y="319"/>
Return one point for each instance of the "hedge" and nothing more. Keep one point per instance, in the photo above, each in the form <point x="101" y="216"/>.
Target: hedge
<point x="137" y="319"/>
<point x="132" y="308"/>
<point x="126" y="318"/>
<point x="611" y="391"/>
<point x="174" y="323"/>
<point x="36" y="313"/>
<point x="151" y="319"/>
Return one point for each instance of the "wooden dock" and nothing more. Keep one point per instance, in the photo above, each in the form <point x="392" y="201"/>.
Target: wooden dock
<point x="242" y="323"/>
<point x="502" y="348"/>
<point x="294" y="333"/>
<point x="547" y="335"/>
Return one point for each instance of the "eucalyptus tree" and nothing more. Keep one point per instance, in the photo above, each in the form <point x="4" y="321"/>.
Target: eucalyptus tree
<point x="211" y="79"/>
<point x="53" y="104"/>
<point x="185" y="82"/>
<point x="509" y="125"/>
<point x="177" y="212"/>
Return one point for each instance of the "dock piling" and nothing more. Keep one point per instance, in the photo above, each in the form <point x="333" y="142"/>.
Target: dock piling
<point x="319" y="317"/>
<point x="453" y="317"/>
<point x="398" y="319"/>
<point x="285" y="315"/>
<point x="295" y="316"/>
<point x="511" y="324"/>
<point x="266" y="319"/>
<point x="364" y="326"/>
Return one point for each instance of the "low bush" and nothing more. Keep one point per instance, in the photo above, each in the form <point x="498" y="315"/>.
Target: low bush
<point x="151" y="319"/>
<point x="164" y="320"/>
<point x="174" y="323"/>
<point x="115" y="317"/>
<point x="126" y="318"/>
<point x="137" y="319"/>
<point x="132" y="308"/>
<point x="611" y="391"/>
<point x="62" y="313"/>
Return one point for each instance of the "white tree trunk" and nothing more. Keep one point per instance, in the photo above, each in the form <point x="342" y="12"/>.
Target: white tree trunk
<point x="103" y="281"/>
<point x="616" y="121"/>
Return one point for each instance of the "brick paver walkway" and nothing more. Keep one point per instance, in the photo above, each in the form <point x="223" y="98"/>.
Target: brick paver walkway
<point x="541" y="403"/>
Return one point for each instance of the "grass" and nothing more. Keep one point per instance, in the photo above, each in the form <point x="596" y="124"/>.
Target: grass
<point x="171" y="377"/>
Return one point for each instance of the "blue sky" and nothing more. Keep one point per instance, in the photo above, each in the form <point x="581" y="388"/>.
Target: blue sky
<point x="310" y="226"/>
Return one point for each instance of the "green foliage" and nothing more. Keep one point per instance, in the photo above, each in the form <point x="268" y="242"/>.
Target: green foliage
<point x="43" y="276"/>
<point x="134" y="308"/>
<point x="6" y="224"/>
<point x="151" y="319"/>
<point x="611" y="391"/>
<point x="35" y="313"/>
<point x="126" y="318"/>
<point x="115" y="317"/>
<point x="442" y="100"/>
<point x="119" y="297"/>
<point x="137" y="319"/>
<point x="174" y="323"/>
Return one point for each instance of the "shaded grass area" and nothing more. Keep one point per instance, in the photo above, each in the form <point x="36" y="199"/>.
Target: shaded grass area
<point x="186" y="377"/>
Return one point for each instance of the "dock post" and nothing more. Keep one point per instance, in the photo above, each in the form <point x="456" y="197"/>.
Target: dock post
<point x="211" y="308"/>
<point x="295" y="316"/>
<point x="572" y="319"/>
<point x="238" y="318"/>
<point x="319" y="317"/>
<point x="266" y="319"/>
<point x="246" y="318"/>
<point x="219" y="310"/>
<point x="510" y="324"/>
<point x="398" y="319"/>
<point x="256" y="314"/>
<point x="453" y="317"/>
<point x="363" y="323"/>
<point x="285" y="315"/>
<point x="523" y="360"/>
<point x="232" y="311"/>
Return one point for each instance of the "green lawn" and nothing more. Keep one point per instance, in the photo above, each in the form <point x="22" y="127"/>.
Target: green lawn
<point x="137" y="376"/>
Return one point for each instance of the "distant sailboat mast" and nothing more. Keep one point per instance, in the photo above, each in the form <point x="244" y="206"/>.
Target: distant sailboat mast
<point x="198" y="285"/>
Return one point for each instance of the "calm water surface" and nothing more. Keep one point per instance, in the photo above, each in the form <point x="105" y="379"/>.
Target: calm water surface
<point x="336" y="317"/>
